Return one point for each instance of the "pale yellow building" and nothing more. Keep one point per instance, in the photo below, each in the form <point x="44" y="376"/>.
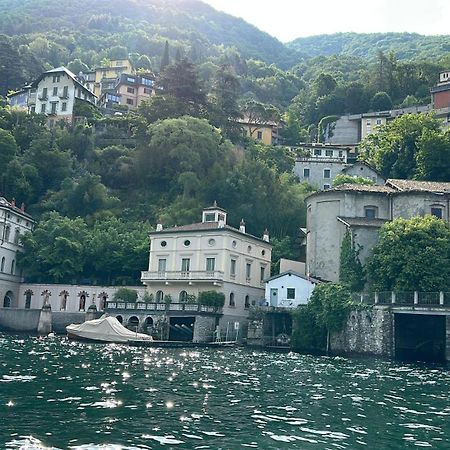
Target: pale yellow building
<point x="106" y="76"/>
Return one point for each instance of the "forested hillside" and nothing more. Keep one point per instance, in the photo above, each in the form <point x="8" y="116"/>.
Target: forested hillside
<point x="98" y="188"/>
<point x="89" y="28"/>
<point x="410" y="46"/>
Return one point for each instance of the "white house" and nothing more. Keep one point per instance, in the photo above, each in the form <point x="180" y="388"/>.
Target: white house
<point x="56" y="94"/>
<point x="289" y="289"/>
<point x="209" y="255"/>
<point x="14" y="221"/>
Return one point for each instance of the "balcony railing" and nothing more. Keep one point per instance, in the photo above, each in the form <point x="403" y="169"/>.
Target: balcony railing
<point x="425" y="299"/>
<point x="178" y="275"/>
<point x="139" y="306"/>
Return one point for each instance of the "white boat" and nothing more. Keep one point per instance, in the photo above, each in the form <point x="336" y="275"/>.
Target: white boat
<point x="105" y="329"/>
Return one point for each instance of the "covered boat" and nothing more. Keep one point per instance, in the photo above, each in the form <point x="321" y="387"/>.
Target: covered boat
<point x="105" y="329"/>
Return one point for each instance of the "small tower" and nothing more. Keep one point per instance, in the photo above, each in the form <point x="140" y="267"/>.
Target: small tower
<point x="215" y="214"/>
<point x="266" y="235"/>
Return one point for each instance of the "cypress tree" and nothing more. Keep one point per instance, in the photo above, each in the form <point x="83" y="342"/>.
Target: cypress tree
<point x="165" y="60"/>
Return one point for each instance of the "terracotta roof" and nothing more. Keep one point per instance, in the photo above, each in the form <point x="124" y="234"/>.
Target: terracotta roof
<point x="362" y="222"/>
<point x="424" y="186"/>
<point x="5" y="204"/>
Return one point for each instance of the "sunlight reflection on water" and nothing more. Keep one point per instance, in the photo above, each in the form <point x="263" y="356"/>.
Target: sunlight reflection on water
<point x="58" y="395"/>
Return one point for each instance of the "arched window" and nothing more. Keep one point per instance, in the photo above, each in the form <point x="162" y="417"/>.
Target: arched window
<point x="7" y="233"/>
<point x="82" y="305"/>
<point x="247" y="302"/>
<point x="28" y="296"/>
<point x="8" y="300"/>
<point x="3" y="264"/>
<point x="159" y="297"/>
<point x="13" y="267"/>
<point x="232" y="303"/>
<point x="64" y="297"/>
<point x="183" y="296"/>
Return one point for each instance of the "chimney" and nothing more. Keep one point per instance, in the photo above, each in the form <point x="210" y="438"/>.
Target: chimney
<point x="242" y="226"/>
<point x="266" y="235"/>
<point x="22" y="207"/>
<point x="159" y="227"/>
<point x="13" y="202"/>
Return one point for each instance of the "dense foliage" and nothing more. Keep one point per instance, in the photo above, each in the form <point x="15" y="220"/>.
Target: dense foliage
<point x="325" y="313"/>
<point x="351" y="271"/>
<point x="405" y="45"/>
<point x="412" y="255"/>
<point x="411" y="146"/>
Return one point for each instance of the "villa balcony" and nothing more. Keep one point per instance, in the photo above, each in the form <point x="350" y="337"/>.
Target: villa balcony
<point x="183" y="276"/>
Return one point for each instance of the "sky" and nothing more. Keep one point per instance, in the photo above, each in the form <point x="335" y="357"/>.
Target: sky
<point x="289" y="19"/>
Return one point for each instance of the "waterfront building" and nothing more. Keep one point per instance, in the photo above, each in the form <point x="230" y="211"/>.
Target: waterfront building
<point x="362" y="210"/>
<point x="288" y="290"/>
<point x="209" y="256"/>
<point x="14" y="222"/>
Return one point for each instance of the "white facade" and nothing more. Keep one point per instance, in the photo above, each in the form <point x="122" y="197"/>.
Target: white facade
<point x="288" y="290"/>
<point x="209" y="256"/>
<point x="13" y="223"/>
<point x="68" y="297"/>
<point x="56" y="92"/>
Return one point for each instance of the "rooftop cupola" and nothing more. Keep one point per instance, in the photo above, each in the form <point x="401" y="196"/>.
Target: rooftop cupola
<point x="215" y="214"/>
<point x="242" y="226"/>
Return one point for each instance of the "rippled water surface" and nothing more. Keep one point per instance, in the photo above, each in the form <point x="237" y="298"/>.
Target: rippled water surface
<point x="56" y="394"/>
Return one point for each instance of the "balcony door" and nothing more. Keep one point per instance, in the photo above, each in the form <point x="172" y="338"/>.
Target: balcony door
<point x="210" y="265"/>
<point x="185" y="267"/>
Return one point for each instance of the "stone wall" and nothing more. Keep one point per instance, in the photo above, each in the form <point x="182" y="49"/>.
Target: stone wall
<point x="19" y="319"/>
<point x="204" y="329"/>
<point x="367" y="332"/>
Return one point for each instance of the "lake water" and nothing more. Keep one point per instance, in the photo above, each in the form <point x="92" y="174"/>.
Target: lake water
<point x="56" y="394"/>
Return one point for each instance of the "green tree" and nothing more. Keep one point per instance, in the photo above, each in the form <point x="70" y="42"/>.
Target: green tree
<point x="173" y="146"/>
<point x="412" y="255"/>
<point x="326" y="313"/>
<point x="55" y="251"/>
<point x="126" y="295"/>
<point x="165" y="60"/>
<point x="181" y="80"/>
<point x="257" y="114"/>
<point x="433" y="156"/>
<point x="351" y="271"/>
<point x="381" y="102"/>
<point x="11" y="75"/>
<point x="225" y="114"/>
<point x="212" y="299"/>
<point x="393" y="149"/>
<point x="8" y="149"/>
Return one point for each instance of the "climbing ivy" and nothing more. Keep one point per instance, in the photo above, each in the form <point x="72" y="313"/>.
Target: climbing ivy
<point x="325" y="313"/>
<point x="351" y="271"/>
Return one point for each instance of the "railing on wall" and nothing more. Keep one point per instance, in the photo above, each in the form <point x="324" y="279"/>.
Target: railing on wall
<point x="139" y="306"/>
<point x="416" y="298"/>
<point x="183" y="275"/>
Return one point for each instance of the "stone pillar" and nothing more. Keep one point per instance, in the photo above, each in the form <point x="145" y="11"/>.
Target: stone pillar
<point x="45" y="319"/>
<point x="203" y="328"/>
<point x="393" y="297"/>
<point x="376" y="298"/>
<point x="441" y="298"/>
<point x="91" y="313"/>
